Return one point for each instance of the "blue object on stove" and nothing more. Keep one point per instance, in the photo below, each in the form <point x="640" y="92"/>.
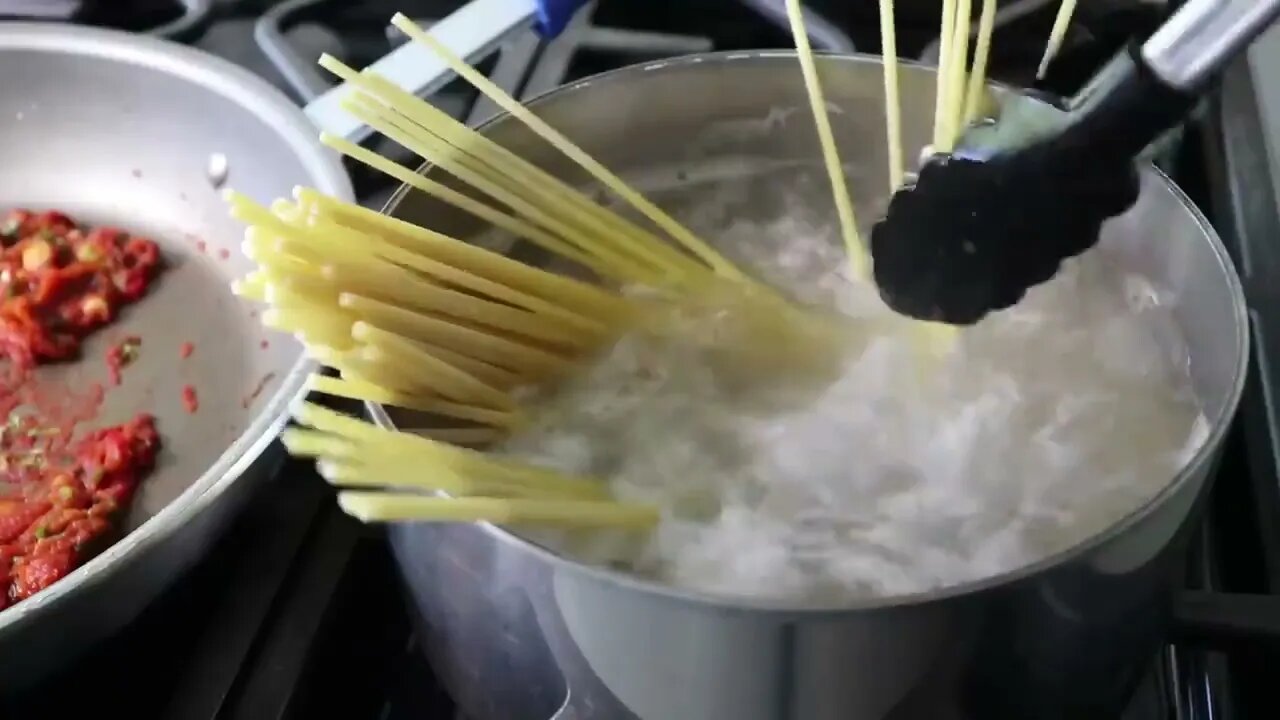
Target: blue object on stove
<point x="554" y="15"/>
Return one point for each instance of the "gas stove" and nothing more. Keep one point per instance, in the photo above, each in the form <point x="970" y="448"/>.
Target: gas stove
<point x="297" y="611"/>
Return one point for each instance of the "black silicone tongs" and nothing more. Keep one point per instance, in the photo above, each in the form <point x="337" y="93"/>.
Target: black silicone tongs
<point x="980" y="226"/>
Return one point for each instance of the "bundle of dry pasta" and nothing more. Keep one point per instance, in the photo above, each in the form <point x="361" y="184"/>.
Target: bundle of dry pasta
<point x="413" y="318"/>
<point x="410" y="317"/>
<point x="415" y="314"/>
<point x="410" y="473"/>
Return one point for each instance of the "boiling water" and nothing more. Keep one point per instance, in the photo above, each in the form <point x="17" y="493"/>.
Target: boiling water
<point x="889" y="473"/>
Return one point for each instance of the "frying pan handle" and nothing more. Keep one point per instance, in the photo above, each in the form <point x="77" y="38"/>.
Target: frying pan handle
<point x="823" y="34"/>
<point x="301" y="73"/>
<point x="472" y="32"/>
<point x="1225" y="621"/>
<point x="195" y="15"/>
<point x="1204" y="35"/>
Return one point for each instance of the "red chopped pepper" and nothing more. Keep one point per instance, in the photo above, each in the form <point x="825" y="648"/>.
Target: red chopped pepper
<point x="189" y="399"/>
<point x="120" y="355"/>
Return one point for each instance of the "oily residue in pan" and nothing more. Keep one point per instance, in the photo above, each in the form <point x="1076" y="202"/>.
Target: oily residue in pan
<point x="257" y="390"/>
<point x="59" y="407"/>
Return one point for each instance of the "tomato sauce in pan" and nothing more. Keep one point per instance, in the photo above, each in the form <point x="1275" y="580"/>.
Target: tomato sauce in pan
<point x="61" y="496"/>
<point x="60" y="503"/>
<point x="60" y="282"/>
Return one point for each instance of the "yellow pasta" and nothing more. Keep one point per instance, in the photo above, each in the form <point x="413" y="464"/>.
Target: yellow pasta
<point x="466" y="437"/>
<point x="581" y="297"/>
<point x="1057" y="34"/>
<point x="250" y="287"/>
<point x="459" y="274"/>
<point x="830" y="154"/>
<point x="315" y="327"/>
<point x="354" y="463"/>
<point x="413" y="360"/>
<point x="475" y="343"/>
<point x="499" y="173"/>
<point x="362" y="440"/>
<point x="414" y="293"/>
<point x="941" y="104"/>
<point x="572" y="151"/>
<point x="956" y="72"/>
<point x="981" y="54"/>
<point x="892" y="101"/>
<point x="607" y="267"/>
<point x="391" y="507"/>
<point x="369" y="392"/>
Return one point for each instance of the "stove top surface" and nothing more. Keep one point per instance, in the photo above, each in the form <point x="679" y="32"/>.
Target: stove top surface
<point x="297" y="612"/>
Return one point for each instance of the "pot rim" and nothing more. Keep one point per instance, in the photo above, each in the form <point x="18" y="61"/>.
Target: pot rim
<point x="324" y="170"/>
<point x="710" y="601"/>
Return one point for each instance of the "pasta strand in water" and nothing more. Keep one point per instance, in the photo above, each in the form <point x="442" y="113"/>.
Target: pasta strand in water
<point x="946" y="38"/>
<point x="973" y="105"/>
<point x="956" y="71"/>
<point x="830" y="154"/>
<point x="1061" y="22"/>
<point x="892" y="101"/>
<point x="501" y="174"/>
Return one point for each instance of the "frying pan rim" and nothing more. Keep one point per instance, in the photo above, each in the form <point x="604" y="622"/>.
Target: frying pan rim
<point x="784" y="609"/>
<point x="322" y="169"/>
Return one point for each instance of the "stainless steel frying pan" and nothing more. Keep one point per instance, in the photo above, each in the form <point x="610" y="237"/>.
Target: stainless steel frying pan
<point x="141" y="133"/>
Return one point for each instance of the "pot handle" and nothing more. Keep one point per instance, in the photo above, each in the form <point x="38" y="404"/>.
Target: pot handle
<point x="1226" y="621"/>
<point x="302" y="75"/>
<point x="195" y="15"/>
<point x="567" y="711"/>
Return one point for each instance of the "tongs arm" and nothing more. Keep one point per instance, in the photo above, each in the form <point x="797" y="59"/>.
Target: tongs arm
<point x="1203" y="36"/>
<point x="1176" y="63"/>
